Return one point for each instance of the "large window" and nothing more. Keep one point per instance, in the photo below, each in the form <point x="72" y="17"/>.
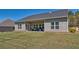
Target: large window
<point x="26" y="26"/>
<point x="54" y="25"/>
<point x="19" y="26"/>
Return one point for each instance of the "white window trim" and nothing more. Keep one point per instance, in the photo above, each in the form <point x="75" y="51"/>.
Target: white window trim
<point x="54" y="24"/>
<point x="19" y="26"/>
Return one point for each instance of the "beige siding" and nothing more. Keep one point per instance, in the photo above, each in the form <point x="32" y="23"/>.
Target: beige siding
<point x="47" y="26"/>
<point x="22" y="29"/>
<point x="63" y="25"/>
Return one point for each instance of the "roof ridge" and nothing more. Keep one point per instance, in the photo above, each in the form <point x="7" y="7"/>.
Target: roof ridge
<point x="55" y="13"/>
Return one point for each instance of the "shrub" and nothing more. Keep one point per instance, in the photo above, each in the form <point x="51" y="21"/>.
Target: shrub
<point x="72" y="29"/>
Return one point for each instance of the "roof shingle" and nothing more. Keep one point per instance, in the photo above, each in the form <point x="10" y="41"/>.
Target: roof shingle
<point x="56" y="14"/>
<point x="7" y="22"/>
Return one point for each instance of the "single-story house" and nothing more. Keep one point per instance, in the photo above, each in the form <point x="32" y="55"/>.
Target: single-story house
<point x="56" y="21"/>
<point x="7" y="25"/>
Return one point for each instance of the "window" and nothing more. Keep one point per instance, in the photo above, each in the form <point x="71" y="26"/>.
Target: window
<point x="42" y="25"/>
<point x="52" y="25"/>
<point x="19" y="26"/>
<point x="39" y="25"/>
<point x="34" y="25"/>
<point x="57" y="25"/>
<point x="26" y="26"/>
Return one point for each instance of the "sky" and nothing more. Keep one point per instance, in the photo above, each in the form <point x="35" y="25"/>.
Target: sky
<point x="16" y="14"/>
<point x="74" y="10"/>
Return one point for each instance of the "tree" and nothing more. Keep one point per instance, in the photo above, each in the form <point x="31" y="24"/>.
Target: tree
<point x="77" y="13"/>
<point x="72" y="19"/>
<point x="77" y="17"/>
<point x="70" y="13"/>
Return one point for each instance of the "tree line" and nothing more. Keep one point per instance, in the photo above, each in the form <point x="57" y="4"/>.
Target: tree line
<point x="73" y="19"/>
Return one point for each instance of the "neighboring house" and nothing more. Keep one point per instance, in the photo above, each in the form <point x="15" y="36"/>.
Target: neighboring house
<point x="7" y="25"/>
<point x="56" y="21"/>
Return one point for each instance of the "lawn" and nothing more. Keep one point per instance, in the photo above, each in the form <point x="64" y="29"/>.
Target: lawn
<point x="32" y="40"/>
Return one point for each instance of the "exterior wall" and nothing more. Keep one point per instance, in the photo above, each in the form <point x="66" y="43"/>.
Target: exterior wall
<point x="31" y="24"/>
<point x="22" y="29"/>
<point x="6" y="28"/>
<point x="63" y="25"/>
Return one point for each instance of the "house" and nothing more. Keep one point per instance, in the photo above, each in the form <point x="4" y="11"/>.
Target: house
<point x="7" y="25"/>
<point x="56" y="21"/>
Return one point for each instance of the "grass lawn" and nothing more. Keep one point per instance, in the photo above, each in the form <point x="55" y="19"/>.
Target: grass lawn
<point x="38" y="40"/>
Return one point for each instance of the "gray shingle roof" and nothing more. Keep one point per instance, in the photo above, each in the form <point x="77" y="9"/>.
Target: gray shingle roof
<point x="7" y="22"/>
<point x="49" y="15"/>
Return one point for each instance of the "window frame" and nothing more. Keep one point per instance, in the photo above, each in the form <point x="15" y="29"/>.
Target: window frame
<point x="54" y="25"/>
<point x="27" y="26"/>
<point x="19" y="26"/>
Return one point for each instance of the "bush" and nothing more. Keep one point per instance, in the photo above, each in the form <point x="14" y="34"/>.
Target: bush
<point x="72" y="30"/>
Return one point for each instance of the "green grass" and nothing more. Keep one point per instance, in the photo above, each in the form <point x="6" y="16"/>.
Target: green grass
<point x="38" y="40"/>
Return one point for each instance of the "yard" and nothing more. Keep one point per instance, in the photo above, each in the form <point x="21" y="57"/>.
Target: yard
<point x="33" y="40"/>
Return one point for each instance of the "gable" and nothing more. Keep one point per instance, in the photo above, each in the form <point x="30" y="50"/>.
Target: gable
<point x="7" y="22"/>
